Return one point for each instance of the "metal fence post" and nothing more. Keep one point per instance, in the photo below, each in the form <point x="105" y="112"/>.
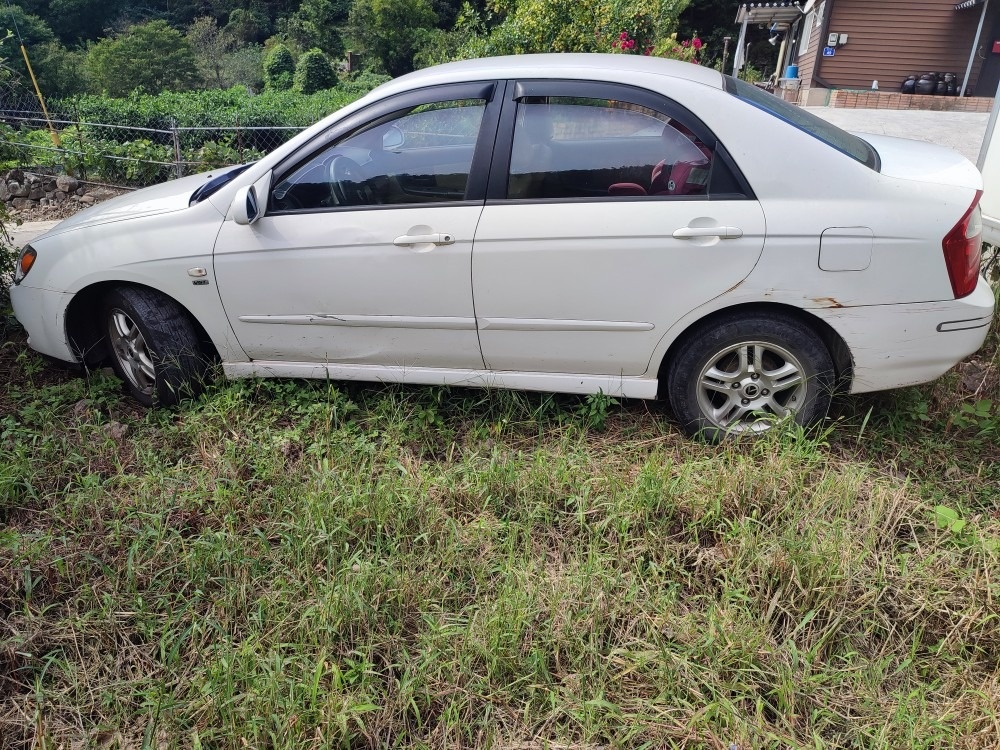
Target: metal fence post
<point x="178" y="165"/>
<point x="82" y="166"/>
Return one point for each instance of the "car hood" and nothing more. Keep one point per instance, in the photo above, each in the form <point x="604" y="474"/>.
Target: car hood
<point x="167" y="197"/>
<point x="923" y="162"/>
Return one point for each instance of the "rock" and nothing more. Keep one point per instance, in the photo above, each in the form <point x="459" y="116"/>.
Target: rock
<point x="102" y="194"/>
<point x="21" y="191"/>
<point x="4" y="191"/>
<point x="43" y="202"/>
<point x="87" y="199"/>
<point x="80" y="190"/>
<point x="20" y="202"/>
<point x="49" y="185"/>
<point x="49" y="194"/>
<point x="16" y="175"/>
<point x="117" y="431"/>
<point x="59" y="196"/>
<point x="67" y="184"/>
<point x="37" y="193"/>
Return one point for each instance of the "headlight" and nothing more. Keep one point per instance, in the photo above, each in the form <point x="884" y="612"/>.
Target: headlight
<point x="24" y="263"/>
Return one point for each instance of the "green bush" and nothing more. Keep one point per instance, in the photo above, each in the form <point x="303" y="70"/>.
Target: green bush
<point x="279" y="68"/>
<point x="214" y="108"/>
<point x="314" y="73"/>
<point x="8" y="257"/>
<point x="123" y="156"/>
<point x="151" y="56"/>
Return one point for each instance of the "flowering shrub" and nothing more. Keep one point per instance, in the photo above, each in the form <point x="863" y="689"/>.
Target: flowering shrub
<point x="669" y="47"/>
<point x="688" y="50"/>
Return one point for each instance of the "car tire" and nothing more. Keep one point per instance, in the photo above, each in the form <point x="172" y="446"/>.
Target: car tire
<point x="740" y="373"/>
<point x="154" y="346"/>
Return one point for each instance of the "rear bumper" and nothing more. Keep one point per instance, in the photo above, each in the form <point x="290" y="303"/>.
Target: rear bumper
<point x="43" y="315"/>
<point x="900" y="345"/>
<point x="991" y="229"/>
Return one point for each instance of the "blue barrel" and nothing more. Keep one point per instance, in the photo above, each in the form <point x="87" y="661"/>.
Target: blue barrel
<point x="792" y="71"/>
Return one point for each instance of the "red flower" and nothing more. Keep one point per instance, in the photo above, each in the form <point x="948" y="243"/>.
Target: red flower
<point x="696" y="43"/>
<point x="685" y="43"/>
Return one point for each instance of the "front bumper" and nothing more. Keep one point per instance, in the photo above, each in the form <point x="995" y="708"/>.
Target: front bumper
<point x="43" y="315"/>
<point x="900" y="345"/>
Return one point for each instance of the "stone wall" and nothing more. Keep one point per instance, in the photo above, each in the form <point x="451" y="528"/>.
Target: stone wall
<point x="21" y="190"/>
<point x="891" y="100"/>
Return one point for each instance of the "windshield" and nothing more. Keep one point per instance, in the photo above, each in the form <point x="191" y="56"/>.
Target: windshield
<point x="817" y="127"/>
<point x="217" y="182"/>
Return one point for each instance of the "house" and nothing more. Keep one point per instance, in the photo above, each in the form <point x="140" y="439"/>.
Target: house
<point x="844" y="46"/>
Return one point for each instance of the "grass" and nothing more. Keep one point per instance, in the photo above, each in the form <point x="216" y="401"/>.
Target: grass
<point x="284" y="565"/>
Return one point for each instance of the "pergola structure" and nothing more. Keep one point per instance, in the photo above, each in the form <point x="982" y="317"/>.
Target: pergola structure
<point x="769" y="13"/>
<point x="979" y="34"/>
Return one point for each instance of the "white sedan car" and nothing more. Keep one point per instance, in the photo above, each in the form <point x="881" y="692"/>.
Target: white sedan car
<point x="577" y="223"/>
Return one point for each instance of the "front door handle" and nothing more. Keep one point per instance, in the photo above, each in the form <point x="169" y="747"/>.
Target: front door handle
<point x="725" y="233"/>
<point x="438" y="238"/>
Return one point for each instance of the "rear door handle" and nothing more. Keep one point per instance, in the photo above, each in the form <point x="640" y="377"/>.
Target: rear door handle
<point x="726" y="233"/>
<point x="438" y="238"/>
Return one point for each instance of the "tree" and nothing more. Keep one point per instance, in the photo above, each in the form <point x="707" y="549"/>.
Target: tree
<point x="151" y="56"/>
<point x="314" y="73"/>
<point x="576" y="25"/>
<point x="279" y="68"/>
<point x="60" y="72"/>
<point x="34" y="32"/>
<point x="244" y="67"/>
<point x="209" y="45"/>
<point x="390" y="31"/>
<point x="711" y="20"/>
<point x="246" y="26"/>
<point x="75" y="21"/>
<point x="314" y="24"/>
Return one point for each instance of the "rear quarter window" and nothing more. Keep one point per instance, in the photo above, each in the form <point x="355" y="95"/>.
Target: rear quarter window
<point x="817" y="127"/>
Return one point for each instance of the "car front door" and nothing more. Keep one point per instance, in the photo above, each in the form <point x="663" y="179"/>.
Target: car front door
<point x="611" y="213"/>
<point x="363" y="254"/>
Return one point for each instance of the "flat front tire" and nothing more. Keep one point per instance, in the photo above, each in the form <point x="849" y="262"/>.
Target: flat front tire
<point x="154" y="346"/>
<point x="741" y="373"/>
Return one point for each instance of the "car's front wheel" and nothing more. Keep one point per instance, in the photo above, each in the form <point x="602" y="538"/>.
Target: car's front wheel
<point x="154" y="346"/>
<point x="742" y="372"/>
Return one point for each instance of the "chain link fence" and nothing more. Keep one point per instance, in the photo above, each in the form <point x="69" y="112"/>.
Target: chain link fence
<point x="121" y="155"/>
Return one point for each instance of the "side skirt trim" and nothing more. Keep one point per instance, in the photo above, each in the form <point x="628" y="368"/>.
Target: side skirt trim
<point x="625" y="387"/>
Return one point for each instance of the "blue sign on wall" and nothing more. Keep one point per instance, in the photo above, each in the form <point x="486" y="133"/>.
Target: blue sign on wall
<point x="829" y="51"/>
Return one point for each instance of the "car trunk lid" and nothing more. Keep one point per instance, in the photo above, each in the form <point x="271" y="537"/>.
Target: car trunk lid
<point x="923" y="162"/>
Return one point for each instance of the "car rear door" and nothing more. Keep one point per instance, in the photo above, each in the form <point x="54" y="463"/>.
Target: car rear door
<point x="611" y="213"/>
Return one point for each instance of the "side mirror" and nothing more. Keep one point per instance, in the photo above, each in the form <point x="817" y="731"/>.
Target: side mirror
<point x="393" y="138"/>
<point x="246" y="209"/>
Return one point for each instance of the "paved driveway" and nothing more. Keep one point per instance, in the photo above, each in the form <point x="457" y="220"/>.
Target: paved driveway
<point x="28" y="231"/>
<point x="962" y="131"/>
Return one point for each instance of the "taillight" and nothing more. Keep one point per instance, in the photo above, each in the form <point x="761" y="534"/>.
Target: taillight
<point x="962" y="247"/>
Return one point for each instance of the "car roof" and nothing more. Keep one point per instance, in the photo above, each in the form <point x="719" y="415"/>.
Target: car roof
<point x="560" y="65"/>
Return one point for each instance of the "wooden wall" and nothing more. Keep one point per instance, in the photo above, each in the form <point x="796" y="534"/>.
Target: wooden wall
<point x="892" y="39"/>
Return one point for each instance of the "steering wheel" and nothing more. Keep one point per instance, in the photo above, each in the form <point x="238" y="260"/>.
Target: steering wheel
<point x="349" y="184"/>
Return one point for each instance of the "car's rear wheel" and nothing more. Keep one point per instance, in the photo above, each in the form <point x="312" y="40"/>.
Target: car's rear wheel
<point x="740" y="374"/>
<point x="155" y="347"/>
